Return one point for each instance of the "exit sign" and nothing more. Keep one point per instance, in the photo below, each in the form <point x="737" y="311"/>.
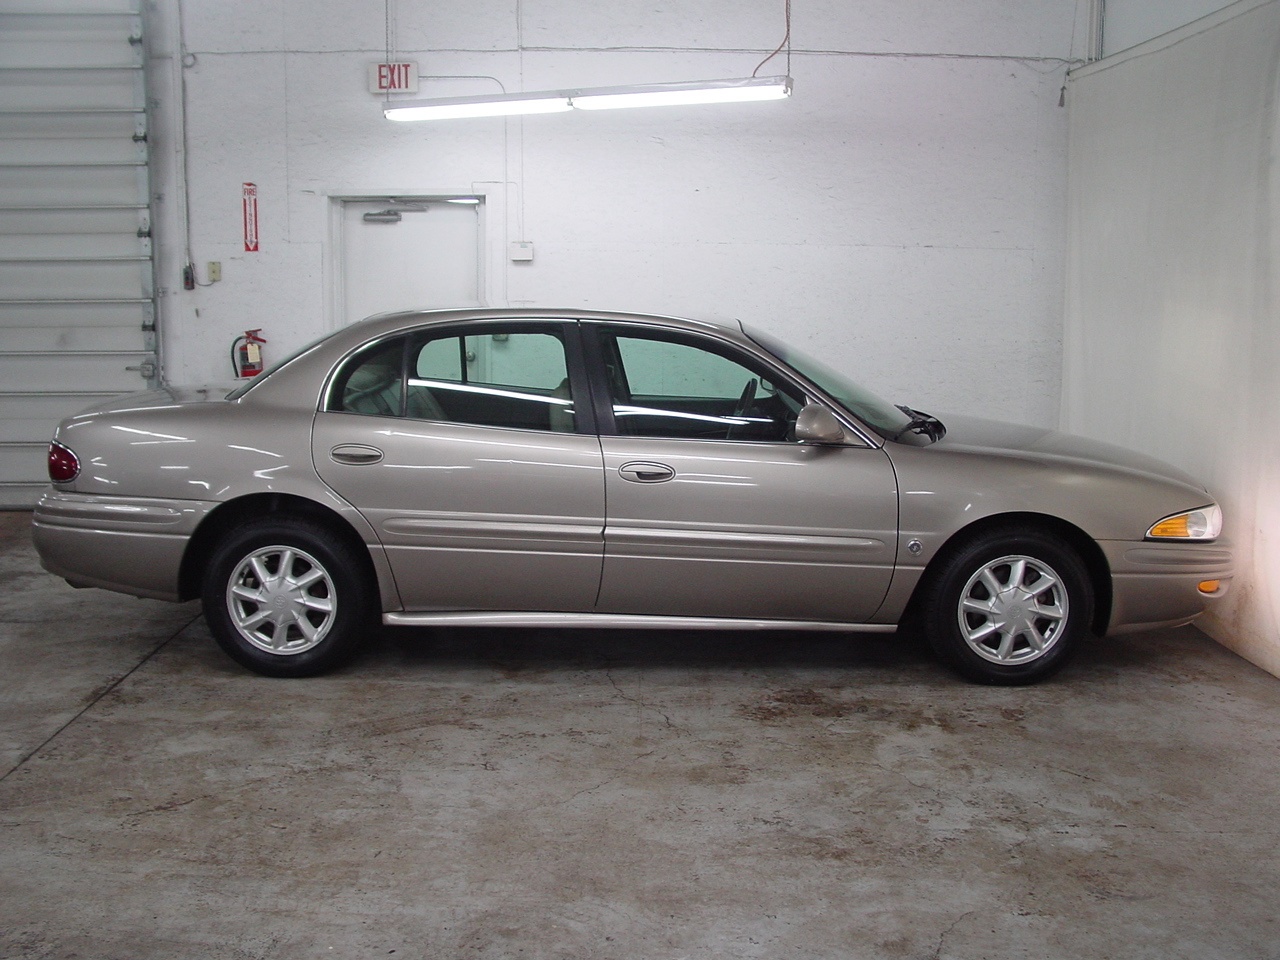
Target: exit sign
<point x="393" y="77"/>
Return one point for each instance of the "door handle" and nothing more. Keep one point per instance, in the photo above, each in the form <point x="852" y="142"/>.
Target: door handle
<point x="355" y="454"/>
<point x="644" y="471"/>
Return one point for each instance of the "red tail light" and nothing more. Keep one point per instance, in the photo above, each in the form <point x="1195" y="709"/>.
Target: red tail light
<point x="64" y="466"/>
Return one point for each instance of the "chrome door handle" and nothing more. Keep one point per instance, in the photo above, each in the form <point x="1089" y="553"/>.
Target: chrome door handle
<point x="643" y="471"/>
<point x="355" y="454"/>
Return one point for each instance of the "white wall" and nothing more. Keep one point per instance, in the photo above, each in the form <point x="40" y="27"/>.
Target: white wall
<point x="1172" y="344"/>
<point x="1128" y="23"/>
<point x="904" y="213"/>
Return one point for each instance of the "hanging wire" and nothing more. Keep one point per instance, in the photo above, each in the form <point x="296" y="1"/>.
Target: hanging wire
<point x="389" y="17"/>
<point x="386" y="21"/>
<point x="786" y="42"/>
<point x="186" y="61"/>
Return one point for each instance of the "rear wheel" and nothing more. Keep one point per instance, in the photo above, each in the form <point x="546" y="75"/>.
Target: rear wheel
<point x="1009" y="607"/>
<point x="286" y="598"/>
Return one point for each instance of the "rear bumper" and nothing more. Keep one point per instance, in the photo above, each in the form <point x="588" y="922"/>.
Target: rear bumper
<point x="1158" y="584"/>
<point x="129" y="544"/>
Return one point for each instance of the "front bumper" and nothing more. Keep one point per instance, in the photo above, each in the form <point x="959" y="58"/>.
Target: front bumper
<point x="1158" y="584"/>
<point x="128" y="544"/>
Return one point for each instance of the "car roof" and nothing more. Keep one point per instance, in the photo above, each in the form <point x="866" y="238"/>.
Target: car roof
<point x="415" y="318"/>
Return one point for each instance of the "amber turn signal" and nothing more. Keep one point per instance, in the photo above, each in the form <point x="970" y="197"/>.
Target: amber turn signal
<point x="1173" y="527"/>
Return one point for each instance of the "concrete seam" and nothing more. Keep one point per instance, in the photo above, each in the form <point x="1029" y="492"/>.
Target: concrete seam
<point x="93" y="702"/>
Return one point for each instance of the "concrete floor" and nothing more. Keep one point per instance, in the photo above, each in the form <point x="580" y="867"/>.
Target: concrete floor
<point x="622" y="795"/>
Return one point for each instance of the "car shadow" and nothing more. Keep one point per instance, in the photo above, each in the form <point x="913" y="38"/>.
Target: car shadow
<point x="543" y="649"/>
<point x="901" y="657"/>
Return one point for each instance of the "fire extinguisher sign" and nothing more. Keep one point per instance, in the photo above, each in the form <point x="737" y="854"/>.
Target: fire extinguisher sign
<point x="249" y="200"/>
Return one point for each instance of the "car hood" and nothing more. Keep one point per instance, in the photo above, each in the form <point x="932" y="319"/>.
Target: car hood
<point x="975" y="435"/>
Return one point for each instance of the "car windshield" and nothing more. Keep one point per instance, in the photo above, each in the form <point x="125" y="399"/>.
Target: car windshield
<point x="889" y="421"/>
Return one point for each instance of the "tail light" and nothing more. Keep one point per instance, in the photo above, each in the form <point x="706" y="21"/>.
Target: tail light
<point x="64" y="466"/>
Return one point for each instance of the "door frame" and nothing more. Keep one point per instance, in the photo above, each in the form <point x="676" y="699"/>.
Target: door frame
<point x="491" y="259"/>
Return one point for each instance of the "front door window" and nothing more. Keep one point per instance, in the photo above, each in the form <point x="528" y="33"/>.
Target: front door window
<point x="670" y="388"/>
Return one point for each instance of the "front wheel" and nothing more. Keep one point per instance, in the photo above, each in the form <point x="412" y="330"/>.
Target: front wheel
<point x="286" y="598"/>
<point x="1009" y="607"/>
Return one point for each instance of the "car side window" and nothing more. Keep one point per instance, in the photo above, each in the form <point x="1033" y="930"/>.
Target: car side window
<point x="372" y="382"/>
<point x="671" y="388"/>
<point x="514" y="379"/>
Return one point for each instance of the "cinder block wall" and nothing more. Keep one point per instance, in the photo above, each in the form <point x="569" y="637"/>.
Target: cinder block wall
<point x="903" y="214"/>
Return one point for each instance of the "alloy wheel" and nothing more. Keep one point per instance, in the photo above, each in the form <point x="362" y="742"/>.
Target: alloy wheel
<point x="1013" y="610"/>
<point x="281" y="600"/>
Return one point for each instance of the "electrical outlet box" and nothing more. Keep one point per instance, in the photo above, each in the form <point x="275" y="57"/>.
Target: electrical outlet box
<point x="521" y="250"/>
<point x="215" y="271"/>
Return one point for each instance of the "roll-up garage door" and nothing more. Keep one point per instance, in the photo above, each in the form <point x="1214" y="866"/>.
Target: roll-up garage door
<point x="77" y="307"/>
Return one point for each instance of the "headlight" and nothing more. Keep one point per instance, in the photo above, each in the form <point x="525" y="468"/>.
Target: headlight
<point x="1202" y="524"/>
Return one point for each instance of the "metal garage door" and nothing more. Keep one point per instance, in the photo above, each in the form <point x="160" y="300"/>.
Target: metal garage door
<point x="77" y="313"/>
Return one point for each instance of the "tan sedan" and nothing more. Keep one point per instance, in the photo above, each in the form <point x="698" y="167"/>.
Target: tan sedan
<point x="568" y="468"/>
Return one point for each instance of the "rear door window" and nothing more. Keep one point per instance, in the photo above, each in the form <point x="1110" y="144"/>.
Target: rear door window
<point x="516" y="379"/>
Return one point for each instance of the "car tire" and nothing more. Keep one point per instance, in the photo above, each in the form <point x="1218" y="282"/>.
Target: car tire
<point x="287" y="598"/>
<point x="1008" y="607"/>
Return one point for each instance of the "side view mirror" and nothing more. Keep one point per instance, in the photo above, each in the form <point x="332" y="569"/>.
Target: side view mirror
<point x="817" y="424"/>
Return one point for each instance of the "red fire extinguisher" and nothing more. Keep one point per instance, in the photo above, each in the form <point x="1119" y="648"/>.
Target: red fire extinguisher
<point x="246" y="354"/>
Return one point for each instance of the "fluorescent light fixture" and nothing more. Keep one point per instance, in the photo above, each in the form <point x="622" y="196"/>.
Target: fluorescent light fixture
<point x="597" y="98"/>
<point x="679" y="94"/>
<point x="504" y="105"/>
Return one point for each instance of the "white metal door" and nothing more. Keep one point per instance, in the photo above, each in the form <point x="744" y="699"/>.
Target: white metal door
<point x="408" y="254"/>
<point x="77" y="315"/>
